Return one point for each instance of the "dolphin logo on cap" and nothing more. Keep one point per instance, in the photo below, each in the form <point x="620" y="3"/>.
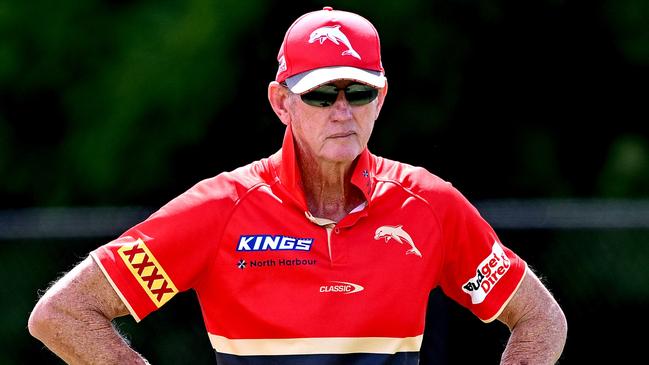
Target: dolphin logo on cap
<point x="334" y="34"/>
<point x="398" y="234"/>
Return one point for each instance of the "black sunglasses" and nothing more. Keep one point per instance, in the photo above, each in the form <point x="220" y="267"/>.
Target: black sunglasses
<point x="326" y="95"/>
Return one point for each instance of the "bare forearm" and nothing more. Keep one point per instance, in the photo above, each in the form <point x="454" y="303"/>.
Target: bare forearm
<point x="536" y="342"/>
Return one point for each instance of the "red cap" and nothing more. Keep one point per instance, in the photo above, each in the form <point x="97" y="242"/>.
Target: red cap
<point x="327" y="45"/>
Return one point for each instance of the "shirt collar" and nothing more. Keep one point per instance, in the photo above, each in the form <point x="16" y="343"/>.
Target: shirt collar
<point x="286" y="167"/>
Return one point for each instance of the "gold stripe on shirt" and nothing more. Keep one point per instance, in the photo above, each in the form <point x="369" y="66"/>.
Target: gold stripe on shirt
<point x="317" y="345"/>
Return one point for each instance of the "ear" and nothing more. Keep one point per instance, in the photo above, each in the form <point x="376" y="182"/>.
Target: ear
<point x="278" y="98"/>
<point x="382" y="94"/>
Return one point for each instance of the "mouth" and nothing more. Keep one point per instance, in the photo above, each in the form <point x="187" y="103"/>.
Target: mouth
<point x="342" y="134"/>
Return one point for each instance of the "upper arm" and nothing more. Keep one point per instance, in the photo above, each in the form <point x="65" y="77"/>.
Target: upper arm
<point x="532" y="300"/>
<point x="537" y="324"/>
<point x="84" y="288"/>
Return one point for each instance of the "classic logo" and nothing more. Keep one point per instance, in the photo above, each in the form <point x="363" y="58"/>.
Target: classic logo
<point x="341" y="287"/>
<point x="335" y="35"/>
<point x="265" y="242"/>
<point x="398" y="234"/>
<point x="148" y="272"/>
<point x="488" y="273"/>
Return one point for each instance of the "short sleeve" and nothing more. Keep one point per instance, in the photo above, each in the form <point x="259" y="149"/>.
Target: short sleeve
<point x="168" y="252"/>
<point x="479" y="272"/>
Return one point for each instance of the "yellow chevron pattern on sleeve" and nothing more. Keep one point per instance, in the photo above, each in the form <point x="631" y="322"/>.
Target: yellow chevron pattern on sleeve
<point x="148" y="272"/>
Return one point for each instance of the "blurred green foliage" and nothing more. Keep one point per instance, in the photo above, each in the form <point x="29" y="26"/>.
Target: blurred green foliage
<point x="90" y="85"/>
<point x="628" y="20"/>
<point x="104" y="100"/>
<point x="625" y="171"/>
<point x="131" y="102"/>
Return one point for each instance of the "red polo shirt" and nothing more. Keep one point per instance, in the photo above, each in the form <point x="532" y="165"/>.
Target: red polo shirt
<point x="273" y="280"/>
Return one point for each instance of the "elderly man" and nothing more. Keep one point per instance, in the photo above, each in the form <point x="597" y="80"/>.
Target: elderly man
<point x="322" y="253"/>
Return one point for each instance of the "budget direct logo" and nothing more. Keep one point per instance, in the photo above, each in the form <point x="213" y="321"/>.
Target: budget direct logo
<point x="341" y="287"/>
<point x="488" y="273"/>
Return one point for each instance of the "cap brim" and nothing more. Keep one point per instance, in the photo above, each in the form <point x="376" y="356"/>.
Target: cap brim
<point x="310" y="80"/>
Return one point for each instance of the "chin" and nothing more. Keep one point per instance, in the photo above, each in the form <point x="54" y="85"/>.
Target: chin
<point x="343" y="154"/>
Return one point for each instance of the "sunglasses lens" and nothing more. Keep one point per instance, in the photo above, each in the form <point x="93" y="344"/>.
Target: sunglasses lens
<point x="359" y="94"/>
<point x="326" y="95"/>
<point x="323" y="96"/>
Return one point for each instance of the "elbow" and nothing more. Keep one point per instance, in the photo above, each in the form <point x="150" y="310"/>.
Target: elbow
<point x="42" y="319"/>
<point x="561" y="324"/>
<point x="558" y="331"/>
<point x="37" y="321"/>
<point x="558" y="321"/>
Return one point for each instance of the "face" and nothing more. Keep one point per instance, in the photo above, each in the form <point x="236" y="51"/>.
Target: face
<point x="336" y="133"/>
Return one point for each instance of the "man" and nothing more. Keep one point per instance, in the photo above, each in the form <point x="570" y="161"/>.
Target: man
<point x="322" y="253"/>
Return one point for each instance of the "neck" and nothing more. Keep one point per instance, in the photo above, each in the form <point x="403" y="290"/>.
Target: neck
<point x="328" y="188"/>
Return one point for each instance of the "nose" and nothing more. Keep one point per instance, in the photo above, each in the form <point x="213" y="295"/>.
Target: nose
<point x="341" y="108"/>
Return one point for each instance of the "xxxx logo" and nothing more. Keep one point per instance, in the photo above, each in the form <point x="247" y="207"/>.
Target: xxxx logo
<point x="148" y="272"/>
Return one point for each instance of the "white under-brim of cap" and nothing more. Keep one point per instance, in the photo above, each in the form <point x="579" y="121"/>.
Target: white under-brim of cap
<point x="309" y="80"/>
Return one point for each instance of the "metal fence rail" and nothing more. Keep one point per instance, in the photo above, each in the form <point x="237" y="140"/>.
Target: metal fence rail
<point x="88" y="222"/>
<point x="565" y="214"/>
<point x="68" y="222"/>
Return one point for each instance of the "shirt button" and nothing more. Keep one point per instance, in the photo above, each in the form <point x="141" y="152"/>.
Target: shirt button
<point x="337" y="230"/>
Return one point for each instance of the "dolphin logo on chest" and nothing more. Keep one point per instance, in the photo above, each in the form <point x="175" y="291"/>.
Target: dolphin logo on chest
<point x="398" y="234"/>
<point x="335" y="35"/>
